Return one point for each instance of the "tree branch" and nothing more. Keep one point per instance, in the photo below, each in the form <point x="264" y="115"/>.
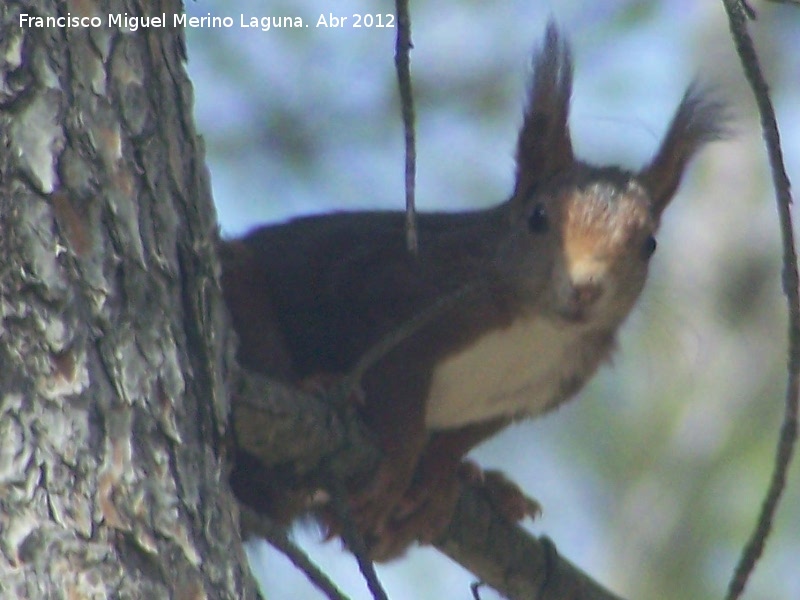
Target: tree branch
<point x="509" y="559"/>
<point x="275" y="535"/>
<point x="314" y="434"/>
<point x="738" y="12"/>
<point x="402" y="61"/>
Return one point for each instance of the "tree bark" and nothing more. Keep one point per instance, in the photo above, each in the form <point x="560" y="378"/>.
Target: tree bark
<point x="115" y="353"/>
<point x="113" y="347"/>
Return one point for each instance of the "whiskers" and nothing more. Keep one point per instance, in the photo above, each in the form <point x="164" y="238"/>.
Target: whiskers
<point x="666" y="340"/>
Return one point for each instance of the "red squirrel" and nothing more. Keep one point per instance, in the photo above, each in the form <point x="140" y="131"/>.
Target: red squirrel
<point x="540" y="285"/>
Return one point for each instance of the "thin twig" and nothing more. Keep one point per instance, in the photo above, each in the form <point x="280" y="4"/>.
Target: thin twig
<point x="277" y="537"/>
<point x="354" y="541"/>
<point x="737" y="17"/>
<point x="475" y="588"/>
<point x="402" y="50"/>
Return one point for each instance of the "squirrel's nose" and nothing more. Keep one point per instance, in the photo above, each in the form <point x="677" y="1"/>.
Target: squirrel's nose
<point x="578" y="299"/>
<point x="585" y="294"/>
<point x="584" y="284"/>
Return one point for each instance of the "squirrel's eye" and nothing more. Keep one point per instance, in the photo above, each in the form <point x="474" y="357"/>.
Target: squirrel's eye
<point x="649" y="247"/>
<point x="538" y="221"/>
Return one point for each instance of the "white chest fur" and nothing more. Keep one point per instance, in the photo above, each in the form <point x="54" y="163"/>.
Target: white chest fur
<point x="508" y="372"/>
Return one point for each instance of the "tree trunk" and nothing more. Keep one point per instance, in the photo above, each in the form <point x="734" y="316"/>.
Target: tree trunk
<point x="113" y="349"/>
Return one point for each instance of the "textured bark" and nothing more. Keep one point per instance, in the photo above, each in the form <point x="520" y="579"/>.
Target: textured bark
<point x="113" y="349"/>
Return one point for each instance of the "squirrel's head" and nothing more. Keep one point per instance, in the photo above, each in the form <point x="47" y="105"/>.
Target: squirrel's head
<point x="589" y="232"/>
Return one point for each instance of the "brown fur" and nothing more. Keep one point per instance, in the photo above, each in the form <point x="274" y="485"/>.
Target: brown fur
<point x="566" y="255"/>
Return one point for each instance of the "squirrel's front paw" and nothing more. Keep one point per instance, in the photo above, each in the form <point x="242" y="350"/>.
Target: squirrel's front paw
<point x="427" y="508"/>
<point x="421" y="515"/>
<point x="373" y="505"/>
<point x="506" y="496"/>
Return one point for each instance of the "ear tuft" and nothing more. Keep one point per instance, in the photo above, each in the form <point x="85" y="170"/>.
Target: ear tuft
<point x="544" y="147"/>
<point x="701" y="118"/>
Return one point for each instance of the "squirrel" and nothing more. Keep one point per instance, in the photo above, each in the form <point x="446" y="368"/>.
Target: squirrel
<point x="540" y="283"/>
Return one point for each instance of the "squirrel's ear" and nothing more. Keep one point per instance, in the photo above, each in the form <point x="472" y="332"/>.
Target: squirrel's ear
<point x="700" y="118"/>
<point x="544" y="147"/>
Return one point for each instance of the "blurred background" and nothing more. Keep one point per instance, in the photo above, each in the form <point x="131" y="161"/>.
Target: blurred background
<point x="652" y="480"/>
